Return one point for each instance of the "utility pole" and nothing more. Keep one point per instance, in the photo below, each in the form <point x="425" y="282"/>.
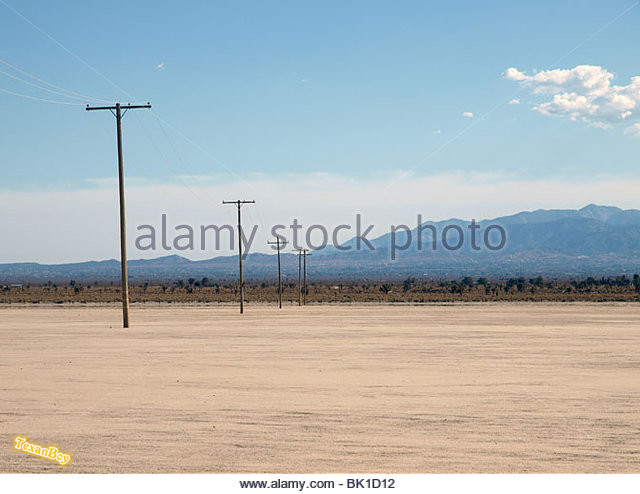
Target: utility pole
<point x="118" y="113"/>
<point x="239" y="204"/>
<point x="299" y="252"/>
<point x="305" y="253"/>
<point x="278" y="243"/>
<point x="302" y="292"/>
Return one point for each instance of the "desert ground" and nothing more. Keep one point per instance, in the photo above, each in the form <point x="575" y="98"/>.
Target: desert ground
<point x="487" y="387"/>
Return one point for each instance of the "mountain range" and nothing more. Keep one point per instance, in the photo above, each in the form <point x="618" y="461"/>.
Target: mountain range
<point x="592" y="241"/>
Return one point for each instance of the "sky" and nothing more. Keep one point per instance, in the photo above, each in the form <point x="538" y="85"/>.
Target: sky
<point x="317" y="110"/>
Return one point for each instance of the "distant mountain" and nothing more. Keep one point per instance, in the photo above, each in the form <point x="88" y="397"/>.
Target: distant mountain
<point x="592" y="241"/>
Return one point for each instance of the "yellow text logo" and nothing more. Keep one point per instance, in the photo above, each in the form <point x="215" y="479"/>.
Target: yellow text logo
<point x="51" y="453"/>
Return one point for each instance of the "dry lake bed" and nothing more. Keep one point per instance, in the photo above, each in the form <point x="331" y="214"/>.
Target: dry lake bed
<point x="323" y="389"/>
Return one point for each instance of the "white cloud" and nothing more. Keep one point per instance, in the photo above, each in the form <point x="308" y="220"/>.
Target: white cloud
<point x="160" y="66"/>
<point x="634" y="130"/>
<point x="437" y="132"/>
<point x="584" y="93"/>
<point x="599" y="125"/>
<point x="514" y="74"/>
<point x="72" y="225"/>
<point x="467" y="114"/>
<point x="514" y="101"/>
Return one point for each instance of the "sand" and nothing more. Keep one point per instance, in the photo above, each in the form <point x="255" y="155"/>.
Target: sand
<point x="324" y="389"/>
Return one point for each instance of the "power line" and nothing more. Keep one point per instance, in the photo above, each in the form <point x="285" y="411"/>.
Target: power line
<point x="165" y="162"/>
<point x="201" y="149"/>
<point x="37" y="86"/>
<point x="35" y="98"/>
<point x="66" y="92"/>
<point x="144" y="175"/>
<point x="64" y="48"/>
<point x="96" y="71"/>
<point x="183" y="163"/>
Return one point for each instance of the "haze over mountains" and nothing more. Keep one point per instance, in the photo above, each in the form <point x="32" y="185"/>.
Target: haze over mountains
<point x="592" y="241"/>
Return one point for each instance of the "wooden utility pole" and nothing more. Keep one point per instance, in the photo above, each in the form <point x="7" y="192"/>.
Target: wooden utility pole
<point x="302" y="292"/>
<point x="118" y="113"/>
<point x="239" y="204"/>
<point x="305" y="253"/>
<point x="299" y="253"/>
<point x="278" y="244"/>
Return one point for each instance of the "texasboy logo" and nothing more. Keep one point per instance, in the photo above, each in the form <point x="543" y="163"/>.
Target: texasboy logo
<point x="51" y="453"/>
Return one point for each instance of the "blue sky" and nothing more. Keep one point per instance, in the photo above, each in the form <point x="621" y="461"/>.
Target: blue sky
<point x="272" y="87"/>
<point x="360" y="90"/>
